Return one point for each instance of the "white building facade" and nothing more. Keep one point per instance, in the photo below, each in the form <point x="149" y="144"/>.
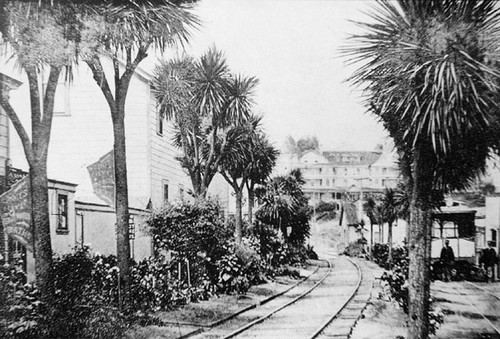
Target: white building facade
<point x="81" y="134"/>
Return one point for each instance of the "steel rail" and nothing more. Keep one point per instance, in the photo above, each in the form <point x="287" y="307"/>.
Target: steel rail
<point x="477" y="310"/>
<point x="351" y="296"/>
<point x="268" y="315"/>
<point x="484" y="289"/>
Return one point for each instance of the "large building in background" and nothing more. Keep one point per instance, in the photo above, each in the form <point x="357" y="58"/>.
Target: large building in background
<point x="335" y="175"/>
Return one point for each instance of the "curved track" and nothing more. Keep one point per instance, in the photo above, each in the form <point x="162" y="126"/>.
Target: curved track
<point x="323" y="303"/>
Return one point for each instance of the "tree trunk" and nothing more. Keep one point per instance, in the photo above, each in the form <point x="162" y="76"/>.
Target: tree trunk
<point x="121" y="203"/>
<point x="41" y="228"/>
<point x="420" y="249"/>
<point x="419" y="283"/>
<point x="239" y="219"/>
<point x="389" y="241"/>
<point x="371" y="239"/>
<point x="250" y="205"/>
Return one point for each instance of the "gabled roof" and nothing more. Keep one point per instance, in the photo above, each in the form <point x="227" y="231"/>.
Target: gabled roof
<point x="355" y="158"/>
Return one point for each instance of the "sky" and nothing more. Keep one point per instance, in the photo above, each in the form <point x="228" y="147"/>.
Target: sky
<point x="293" y="48"/>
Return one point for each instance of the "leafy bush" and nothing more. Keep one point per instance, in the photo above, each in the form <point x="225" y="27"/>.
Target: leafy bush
<point x="241" y="268"/>
<point x="86" y="298"/>
<point x="380" y="253"/>
<point x="81" y="308"/>
<point x="355" y="249"/>
<point x="269" y="239"/>
<point x="397" y="281"/>
<point x="196" y="231"/>
<point x="311" y="253"/>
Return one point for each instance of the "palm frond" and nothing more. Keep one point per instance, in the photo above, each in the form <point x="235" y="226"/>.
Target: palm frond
<point x="429" y="71"/>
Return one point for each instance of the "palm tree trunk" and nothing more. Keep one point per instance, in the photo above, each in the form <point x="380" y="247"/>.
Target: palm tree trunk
<point x="250" y="205"/>
<point x="371" y="238"/>
<point x="419" y="283"/>
<point x="41" y="228"/>
<point x="121" y="203"/>
<point x="238" y="192"/>
<point x="420" y="250"/>
<point x="389" y="241"/>
<point x="239" y="218"/>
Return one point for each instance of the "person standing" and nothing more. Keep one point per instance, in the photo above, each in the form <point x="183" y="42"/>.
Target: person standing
<point x="489" y="259"/>
<point x="447" y="258"/>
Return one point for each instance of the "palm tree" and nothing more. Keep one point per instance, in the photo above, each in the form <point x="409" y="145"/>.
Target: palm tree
<point x="283" y="204"/>
<point x="203" y="99"/>
<point x="249" y="160"/>
<point x="264" y="157"/>
<point x="125" y="31"/>
<point x="429" y="73"/>
<point x="391" y="214"/>
<point x="38" y="54"/>
<point x="236" y="163"/>
<point x="369" y="208"/>
<point x="380" y="217"/>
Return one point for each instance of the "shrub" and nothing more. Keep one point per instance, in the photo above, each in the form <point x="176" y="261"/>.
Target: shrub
<point x="355" y="249"/>
<point x="380" y="254"/>
<point x="86" y="298"/>
<point x="241" y="268"/>
<point x="397" y="281"/>
<point x="311" y="253"/>
<point x="81" y="308"/>
<point x="196" y="231"/>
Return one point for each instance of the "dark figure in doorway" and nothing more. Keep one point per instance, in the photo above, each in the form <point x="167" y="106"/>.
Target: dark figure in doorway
<point x="489" y="259"/>
<point x="447" y="258"/>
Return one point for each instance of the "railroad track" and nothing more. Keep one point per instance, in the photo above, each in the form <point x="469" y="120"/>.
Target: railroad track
<point x="486" y="304"/>
<point x="326" y="305"/>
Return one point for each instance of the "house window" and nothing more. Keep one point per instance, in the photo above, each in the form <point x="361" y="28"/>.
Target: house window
<point x="320" y="170"/>
<point x="384" y="170"/>
<point x="327" y="182"/>
<point x="494" y="237"/>
<point x="159" y="123"/>
<point x="321" y="182"/>
<point x="62" y="213"/>
<point x="333" y="170"/>
<point x="165" y="191"/>
<point x="181" y="191"/>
